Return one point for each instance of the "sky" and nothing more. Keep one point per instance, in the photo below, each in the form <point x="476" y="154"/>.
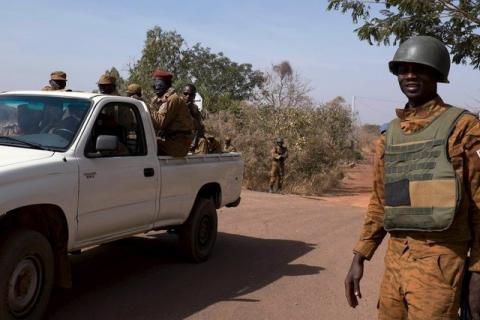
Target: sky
<point x="85" y="38"/>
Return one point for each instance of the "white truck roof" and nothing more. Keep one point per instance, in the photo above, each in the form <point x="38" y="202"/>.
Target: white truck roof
<point x="71" y="94"/>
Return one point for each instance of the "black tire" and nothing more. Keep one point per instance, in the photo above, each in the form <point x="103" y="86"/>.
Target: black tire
<point x="26" y="275"/>
<point x="199" y="233"/>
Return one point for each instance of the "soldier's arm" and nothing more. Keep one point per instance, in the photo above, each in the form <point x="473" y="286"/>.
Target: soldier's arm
<point x="274" y="153"/>
<point x="372" y="232"/>
<point x="168" y="112"/>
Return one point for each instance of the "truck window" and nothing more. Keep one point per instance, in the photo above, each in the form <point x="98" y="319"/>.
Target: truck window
<point x="122" y="120"/>
<point x="41" y="121"/>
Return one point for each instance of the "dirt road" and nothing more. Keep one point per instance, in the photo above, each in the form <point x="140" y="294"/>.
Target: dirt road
<point x="277" y="257"/>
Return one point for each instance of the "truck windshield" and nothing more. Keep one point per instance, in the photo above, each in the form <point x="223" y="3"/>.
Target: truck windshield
<point x="40" y="122"/>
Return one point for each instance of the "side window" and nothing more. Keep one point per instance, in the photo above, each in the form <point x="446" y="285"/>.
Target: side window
<point x="121" y="120"/>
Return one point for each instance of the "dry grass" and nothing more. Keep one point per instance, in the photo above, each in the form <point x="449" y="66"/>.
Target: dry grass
<point x="318" y="139"/>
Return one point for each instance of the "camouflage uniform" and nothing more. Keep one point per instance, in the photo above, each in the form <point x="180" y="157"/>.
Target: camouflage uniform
<point x="279" y="154"/>
<point x="173" y="124"/>
<point x="202" y="146"/>
<point x="423" y="270"/>
<point x="228" y="146"/>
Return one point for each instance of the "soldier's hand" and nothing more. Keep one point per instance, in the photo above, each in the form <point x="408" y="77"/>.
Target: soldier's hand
<point x="352" y="281"/>
<point x="474" y="295"/>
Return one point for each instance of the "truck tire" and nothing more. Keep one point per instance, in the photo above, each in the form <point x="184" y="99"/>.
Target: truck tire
<point x="27" y="274"/>
<point x="199" y="233"/>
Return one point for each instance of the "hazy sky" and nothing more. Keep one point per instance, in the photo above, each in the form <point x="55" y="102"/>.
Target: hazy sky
<point x="84" y="38"/>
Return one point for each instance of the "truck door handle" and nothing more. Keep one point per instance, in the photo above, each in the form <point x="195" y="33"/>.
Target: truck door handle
<point x="148" y="172"/>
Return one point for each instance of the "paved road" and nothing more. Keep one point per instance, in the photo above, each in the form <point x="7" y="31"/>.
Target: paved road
<point x="277" y="257"/>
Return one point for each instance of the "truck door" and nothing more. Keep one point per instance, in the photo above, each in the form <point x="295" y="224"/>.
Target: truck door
<point x="117" y="188"/>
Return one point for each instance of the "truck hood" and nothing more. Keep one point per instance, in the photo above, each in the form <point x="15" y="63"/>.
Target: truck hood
<point x="15" y="155"/>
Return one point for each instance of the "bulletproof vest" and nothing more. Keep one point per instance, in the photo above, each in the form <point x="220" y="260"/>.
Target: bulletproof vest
<point x="422" y="192"/>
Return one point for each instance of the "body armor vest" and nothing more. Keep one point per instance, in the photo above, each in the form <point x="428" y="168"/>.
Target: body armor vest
<point x="422" y="192"/>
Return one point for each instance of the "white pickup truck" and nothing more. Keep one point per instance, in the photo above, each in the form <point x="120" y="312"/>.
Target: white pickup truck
<point x="81" y="169"/>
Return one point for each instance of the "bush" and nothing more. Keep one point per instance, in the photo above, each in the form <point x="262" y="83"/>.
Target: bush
<point x="317" y="139"/>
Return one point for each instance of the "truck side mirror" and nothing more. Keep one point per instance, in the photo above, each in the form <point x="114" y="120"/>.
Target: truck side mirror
<point x="104" y="143"/>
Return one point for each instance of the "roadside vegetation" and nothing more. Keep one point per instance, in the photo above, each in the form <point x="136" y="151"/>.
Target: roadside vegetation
<point x="254" y="107"/>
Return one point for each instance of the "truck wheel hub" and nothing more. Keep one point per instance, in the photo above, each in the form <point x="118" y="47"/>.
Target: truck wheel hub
<point x="204" y="232"/>
<point x="24" y="285"/>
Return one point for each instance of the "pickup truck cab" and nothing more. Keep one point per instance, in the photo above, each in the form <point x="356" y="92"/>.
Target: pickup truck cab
<point x="81" y="169"/>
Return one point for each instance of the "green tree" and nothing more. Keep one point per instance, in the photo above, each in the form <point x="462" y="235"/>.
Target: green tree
<point x="218" y="79"/>
<point x="456" y="23"/>
<point x="162" y="50"/>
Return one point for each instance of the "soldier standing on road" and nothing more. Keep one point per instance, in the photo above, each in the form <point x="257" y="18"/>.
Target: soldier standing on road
<point x="107" y="84"/>
<point x="228" y="146"/>
<point x="189" y="92"/>
<point x="58" y="81"/>
<point x="134" y="91"/>
<point x="279" y="155"/>
<point x="425" y="194"/>
<point x="171" y="117"/>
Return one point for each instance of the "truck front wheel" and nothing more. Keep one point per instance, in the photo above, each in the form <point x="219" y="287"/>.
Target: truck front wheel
<point x="26" y="275"/>
<point x="199" y="233"/>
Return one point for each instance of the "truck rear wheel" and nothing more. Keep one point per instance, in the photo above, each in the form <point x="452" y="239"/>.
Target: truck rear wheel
<point x="199" y="233"/>
<point x="27" y="272"/>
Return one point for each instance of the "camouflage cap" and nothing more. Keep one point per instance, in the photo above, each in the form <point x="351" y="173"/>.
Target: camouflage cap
<point x="134" y="88"/>
<point x="107" y="79"/>
<point x="58" y="75"/>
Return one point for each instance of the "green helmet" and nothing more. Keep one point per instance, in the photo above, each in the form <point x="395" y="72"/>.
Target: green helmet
<point x="424" y="50"/>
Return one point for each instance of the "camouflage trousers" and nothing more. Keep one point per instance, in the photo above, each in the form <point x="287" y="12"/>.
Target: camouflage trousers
<point x="176" y="147"/>
<point x="276" y="174"/>
<point x="422" y="280"/>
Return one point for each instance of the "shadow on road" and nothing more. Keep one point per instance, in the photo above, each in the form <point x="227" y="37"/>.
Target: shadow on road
<point x="141" y="278"/>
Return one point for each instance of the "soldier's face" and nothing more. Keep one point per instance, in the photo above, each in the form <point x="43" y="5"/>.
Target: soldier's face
<point x="417" y="82"/>
<point x="160" y="86"/>
<point x="189" y="94"/>
<point x="58" y="84"/>
<point x="106" y="88"/>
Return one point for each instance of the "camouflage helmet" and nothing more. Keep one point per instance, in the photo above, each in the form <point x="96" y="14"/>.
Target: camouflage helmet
<point x="58" y="75"/>
<point x="423" y="50"/>
<point x="134" y="88"/>
<point x="228" y="139"/>
<point x="279" y="140"/>
<point x="106" y="79"/>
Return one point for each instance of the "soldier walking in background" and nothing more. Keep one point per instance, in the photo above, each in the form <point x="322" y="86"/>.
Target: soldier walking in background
<point x="426" y="194"/>
<point x="107" y="84"/>
<point x="189" y="92"/>
<point x="134" y="91"/>
<point x="58" y="81"/>
<point x="279" y="155"/>
<point x="229" y="147"/>
<point x="171" y="117"/>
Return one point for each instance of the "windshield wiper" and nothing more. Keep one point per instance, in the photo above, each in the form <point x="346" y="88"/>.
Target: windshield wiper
<point x="23" y="142"/>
